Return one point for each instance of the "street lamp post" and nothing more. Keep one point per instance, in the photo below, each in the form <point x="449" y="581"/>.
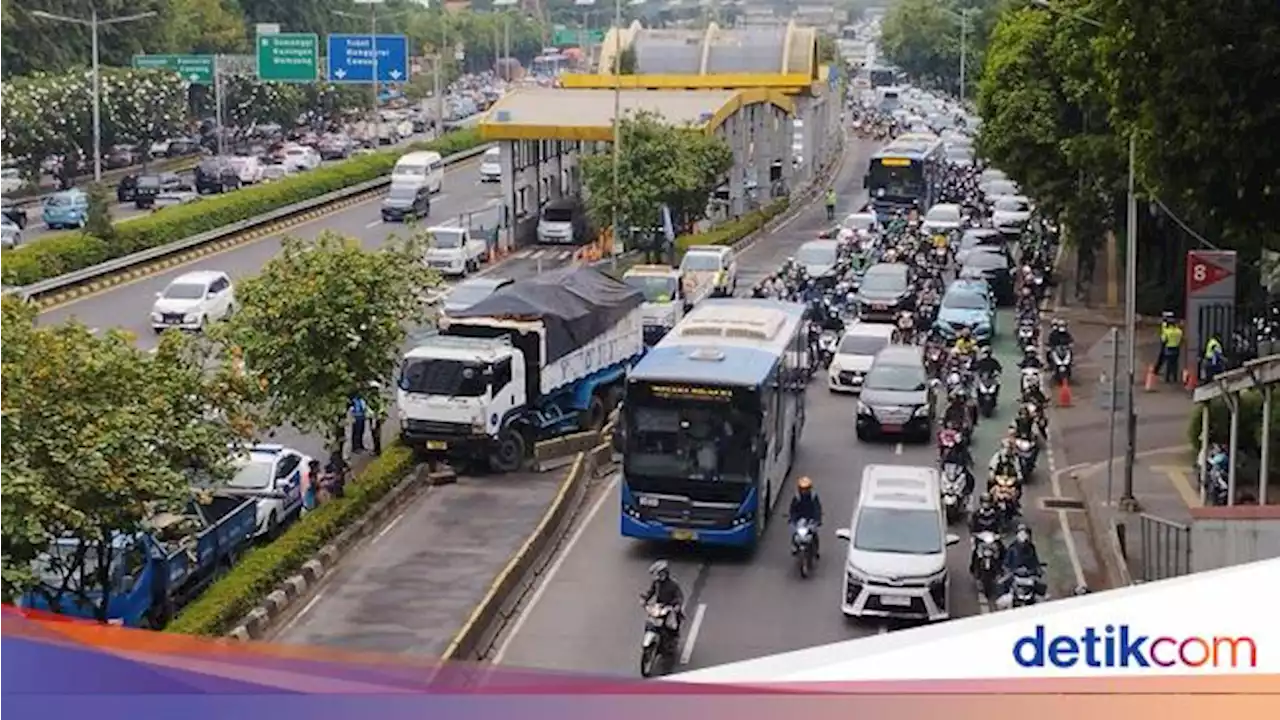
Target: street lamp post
<point x="1127" y="500"/>
<point x="93" y="23"/>
<point x="616" y="245"/>
<point x="964" y="49"/>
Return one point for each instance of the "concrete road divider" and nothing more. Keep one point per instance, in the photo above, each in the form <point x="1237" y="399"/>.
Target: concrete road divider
<point x="501" y="603"/>
<point x="560" y="452"/>
<point x="281" y="602"/>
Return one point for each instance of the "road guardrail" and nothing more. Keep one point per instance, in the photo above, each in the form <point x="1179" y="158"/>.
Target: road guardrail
<point x="224" y="236"/>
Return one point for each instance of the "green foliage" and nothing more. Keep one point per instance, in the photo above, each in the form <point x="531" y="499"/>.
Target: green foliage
<point x="324" y="322"/>
<point x="1045" y="118"/>
<point x="922" y="37"/>
<point x="1250" y="423"/>
<point x="659" y="164"/>
<point x="60" y="253"/>
<point x="248" y="100"/>
<point x="217" y="610"/>
<point x="1198" y="87"/>
<point x="98" y="438"/>
<point x="734" y="230"/>
<point x="98" y="217"/>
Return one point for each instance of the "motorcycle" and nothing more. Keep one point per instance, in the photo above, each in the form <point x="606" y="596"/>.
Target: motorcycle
<point x="1217" y="481"/>
<point x="1022" y="590"/>
<point x="661" y="633"/>
<point x="1060" y="360"/>
<point x="827" y="348"/>
<point x="1007" y="496"/>
<point x="1026" y="334"/>
<point x="988" y="551"/>
<point x="803" y="546"/>
<point x="956" y="484"/>
<point x="988" y="394"/>
<point x="1027" y="451"/>
<point x="934" y="361"/>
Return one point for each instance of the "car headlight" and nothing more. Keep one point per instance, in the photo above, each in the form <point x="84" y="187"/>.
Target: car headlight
<point x="190" y="318"/>
<point x="922" y="411"/>
<point x="156" y="317"/>
<point x="863" y="408"/>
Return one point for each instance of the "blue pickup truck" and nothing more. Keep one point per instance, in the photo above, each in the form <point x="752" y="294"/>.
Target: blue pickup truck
<point x="156" y="573"/>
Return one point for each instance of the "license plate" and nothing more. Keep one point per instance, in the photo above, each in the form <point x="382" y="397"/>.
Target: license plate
<point x="684" y="535"/>
<point x="878" y="306"/>
<point x="891" y="428"/>
<point x="895" y="601"/>
<point x="437" y="445"/>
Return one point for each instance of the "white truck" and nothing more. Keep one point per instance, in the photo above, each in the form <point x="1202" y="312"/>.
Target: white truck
<point x="454" y="250"/>
<point x="538" y="359"/>
<point x="668" y="295"/>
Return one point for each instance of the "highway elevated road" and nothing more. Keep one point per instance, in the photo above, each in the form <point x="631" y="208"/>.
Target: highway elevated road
<point x="586" y="616"/>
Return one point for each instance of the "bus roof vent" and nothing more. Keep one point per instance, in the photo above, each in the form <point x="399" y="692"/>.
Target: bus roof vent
<point x="706" y="355"/>
<point x="735" y="322"/>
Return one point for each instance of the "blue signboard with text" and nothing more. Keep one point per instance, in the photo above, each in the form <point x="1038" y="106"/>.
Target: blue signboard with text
<point x="352" y="58"/>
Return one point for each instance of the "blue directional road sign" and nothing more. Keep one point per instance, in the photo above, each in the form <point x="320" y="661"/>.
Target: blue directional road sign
<point x="351" y="58"/>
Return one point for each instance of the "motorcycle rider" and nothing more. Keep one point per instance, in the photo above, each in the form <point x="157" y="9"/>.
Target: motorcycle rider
<point x="965" y="343"/>
<point x="805" y="505"/>
<point x="958" y="413"/>
<point x="1005" y="461"/>
<point x="987" y="364"/>
<point x="985" y="519"/>
<point x="664" y="590"/>
<point x="1024" y="425"/>
<point x="1059" y="336"/>
<point x="1031" y="359"/>
<point x="1021" y="553"/>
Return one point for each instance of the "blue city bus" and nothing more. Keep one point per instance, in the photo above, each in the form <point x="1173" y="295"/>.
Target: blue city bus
<point x="906" y="174"/>
<point x="711" y="423"/>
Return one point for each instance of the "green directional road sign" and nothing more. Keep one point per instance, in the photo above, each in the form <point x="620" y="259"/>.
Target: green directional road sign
<point x="195" y="69"/>
<point x="576" y="37"/>
<point x="289" y="57"/>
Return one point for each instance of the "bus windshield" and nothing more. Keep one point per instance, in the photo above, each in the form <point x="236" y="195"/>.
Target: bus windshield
<point x="692" y="439"/>
<point x="896" y="178"/>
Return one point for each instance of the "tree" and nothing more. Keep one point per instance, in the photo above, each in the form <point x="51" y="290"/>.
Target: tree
<point x="922" y="37"/>
<point x="98" y="437"/>
<point x="1044" y="119"/>
<point x="660" y="164"/>
<point x="1198" y="89"/>
<point x="324" y="322"/>
<point x="98" y="217"/>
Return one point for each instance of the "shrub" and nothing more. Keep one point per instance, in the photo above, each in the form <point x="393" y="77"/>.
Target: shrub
<point x="1250" y="424"/>
<point x="731" y="232"/>
<point x="262" y="569"/>
<point x="61" y="253"/>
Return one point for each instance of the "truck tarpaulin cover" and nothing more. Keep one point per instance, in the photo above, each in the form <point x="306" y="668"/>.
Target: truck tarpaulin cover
<point x="576" y="305"/>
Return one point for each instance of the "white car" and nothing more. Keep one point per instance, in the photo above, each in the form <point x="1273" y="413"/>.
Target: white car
<point x="248" y="168"/>
<point x="943" y="217"/>
<point x="276" y="171"/>
<point x="192" y="300"/>
<point x="717" y="263"/>
<point x="858" y="347"/>
<point x="11" y="180"/>
<point x="159" y="148"/>
<point x="1010" y="212"/>
<point x="10" y="233"/>
<point x="301" y="158"/>
<point x="491" y="165"/>
<point x="275" y="476"/>
<point x="860" y="221"/>
<point x="169" y="198"/>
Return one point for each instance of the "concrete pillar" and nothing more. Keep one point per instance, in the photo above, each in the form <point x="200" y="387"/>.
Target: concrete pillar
<point x="762" y="149"/>
<point x="737" y="174"/>
<point x="782" y="132"/>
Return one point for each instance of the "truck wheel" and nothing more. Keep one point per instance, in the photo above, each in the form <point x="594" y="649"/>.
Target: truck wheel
<point x="508" y="454"/>
<point x="593" y="418"/>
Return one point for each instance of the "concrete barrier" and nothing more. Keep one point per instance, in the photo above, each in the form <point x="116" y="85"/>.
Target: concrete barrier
<point x="501" y="603"/>
<point x="560" y="452"/>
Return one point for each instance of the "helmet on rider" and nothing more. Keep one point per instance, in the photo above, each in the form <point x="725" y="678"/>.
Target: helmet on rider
<point x="985" y="502"/>
<point x="985" y="351"/>
<point x="659" y="570"/>
<point x="1030" y="351"/>
<point x="1023" y="533"/>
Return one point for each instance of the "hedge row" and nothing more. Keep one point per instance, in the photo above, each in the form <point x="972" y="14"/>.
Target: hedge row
<point x="262" y="569"/>
<point x="61" y="253"/>
<point x="732" y="231"/>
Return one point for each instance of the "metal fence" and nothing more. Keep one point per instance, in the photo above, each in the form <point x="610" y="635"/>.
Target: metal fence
<point x="1164" y="548"/>
<point x="1246" y="333"/>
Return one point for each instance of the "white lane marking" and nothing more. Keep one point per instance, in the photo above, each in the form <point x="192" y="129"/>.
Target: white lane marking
<point x="692" y="637"/>
<point x="390" y="526"/>
<point x="1064" y="523"/>
<point x="897" y="449"/>
<point x="373" y="224"/>
<point x="294" y="620"/>
<point x="550" y="575"/>
<point x="884" y="630"/>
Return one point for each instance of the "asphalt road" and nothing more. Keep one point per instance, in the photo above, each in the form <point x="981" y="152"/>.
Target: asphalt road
<point x="586" y="615"/>
<point x="463" y="199"/>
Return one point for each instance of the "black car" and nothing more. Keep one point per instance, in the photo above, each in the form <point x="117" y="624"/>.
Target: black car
<point x="819" y="259"/>
<point x="886" y="289"/>
<point x="126" y="188"/>
<point x="897" y="398"/>
<point x="993" y="265"/>
<point x="149" y="186"/>
<point x="120" y="156"/>
<point x="406" y="201"/>
<point x="183" y="146"/>
<point x="16" y="214"/>
<point x="216" y="175"/>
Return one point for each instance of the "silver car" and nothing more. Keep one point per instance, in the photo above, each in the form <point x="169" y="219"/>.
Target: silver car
<point x="10" y="234"/>
<point x="896" y="566"/>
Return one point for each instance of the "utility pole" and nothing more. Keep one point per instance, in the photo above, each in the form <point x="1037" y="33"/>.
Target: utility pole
<point x="617" y="128"/>
<point x="217" y="102"/>
<point x="373" y="46"/>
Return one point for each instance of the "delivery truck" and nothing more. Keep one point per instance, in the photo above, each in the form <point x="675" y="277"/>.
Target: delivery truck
<point x="152" y="574"/>
<point x="538" y="359"/>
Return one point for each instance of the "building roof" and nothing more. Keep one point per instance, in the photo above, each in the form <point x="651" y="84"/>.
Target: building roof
<point x="587" y="114"/>
<point x="778" y="50"/>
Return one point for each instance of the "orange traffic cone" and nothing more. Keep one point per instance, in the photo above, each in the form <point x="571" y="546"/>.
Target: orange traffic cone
<point x="1188" y="379"/>
<point x="1064" y="394"/>
<point x="1149" y="384"/>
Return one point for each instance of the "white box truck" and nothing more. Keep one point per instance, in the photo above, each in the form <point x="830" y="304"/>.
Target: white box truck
<point x="538" y="359"/>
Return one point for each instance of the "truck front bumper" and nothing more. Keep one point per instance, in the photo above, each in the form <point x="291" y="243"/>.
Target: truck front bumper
<point x="447" y="447"/>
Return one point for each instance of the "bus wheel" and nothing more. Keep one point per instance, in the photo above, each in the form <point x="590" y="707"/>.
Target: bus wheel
<point x="594" y="416"/>
<point x="508" y="455"/>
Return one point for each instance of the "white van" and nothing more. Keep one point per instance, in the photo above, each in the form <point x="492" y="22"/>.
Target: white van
<point x="897" y="561"/>
<point x="855" y="353"/>
<point x="491" y="165"/>
<point x="420" y="168"/>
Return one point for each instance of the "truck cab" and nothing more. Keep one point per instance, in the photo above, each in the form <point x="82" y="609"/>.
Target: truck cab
<point x="454" y="251"/>
<point x="665" y="300"/>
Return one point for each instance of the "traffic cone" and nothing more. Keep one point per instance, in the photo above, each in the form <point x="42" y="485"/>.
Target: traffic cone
<point x="1064" y="394"/>
<point x="1149" y="383"/>
<point x="1188" y="379"/>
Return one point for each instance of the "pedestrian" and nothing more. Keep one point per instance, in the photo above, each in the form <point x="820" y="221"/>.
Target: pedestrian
<point x="377" y="414"/>
<point x="359" y="413"/>
<point x="1170" y="347"/>
<point x="311" y="488"/>
<point x="831" y="203"/>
